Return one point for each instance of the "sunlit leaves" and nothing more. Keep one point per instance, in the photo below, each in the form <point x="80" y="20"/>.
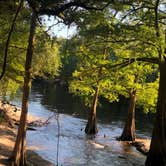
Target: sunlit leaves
<point x="92" y="72"/>
<point x="136" y="77"/>
<point x="8" y="87"/>
<point x="147" y="96"/>
<point x="46" y="58"/>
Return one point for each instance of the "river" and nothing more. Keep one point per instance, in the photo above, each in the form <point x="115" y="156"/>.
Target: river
<point x="75" y="148"/>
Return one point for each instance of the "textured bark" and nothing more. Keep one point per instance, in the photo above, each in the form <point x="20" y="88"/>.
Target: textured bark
<point x="128" y="133"/>
<point x="91" y="127"/>
<point x="157" y="152"/>
<point x="19" y="157"/>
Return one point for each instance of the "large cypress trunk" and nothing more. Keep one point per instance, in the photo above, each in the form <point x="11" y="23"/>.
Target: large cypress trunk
<point x="91" y="127"/>
<point x="128" y="133"/>
<point x="157" y="152"/>
<point x="18" y="157"/>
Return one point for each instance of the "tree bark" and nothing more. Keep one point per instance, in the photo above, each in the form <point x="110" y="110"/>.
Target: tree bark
<point x="19" y="153"/>
<point x="91" y="127"/>
<point x="128" y="133"/>
<point x="157" y="152"/>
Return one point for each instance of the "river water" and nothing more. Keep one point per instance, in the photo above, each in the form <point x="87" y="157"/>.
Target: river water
<point x="75" y="148"/>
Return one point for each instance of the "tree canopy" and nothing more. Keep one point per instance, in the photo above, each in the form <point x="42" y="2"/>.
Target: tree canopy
<point x="119" y="49"/>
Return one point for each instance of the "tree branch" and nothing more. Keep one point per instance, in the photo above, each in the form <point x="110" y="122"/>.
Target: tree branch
<point x="131" y="11"/>
<point x="59" y="9"/>
<point x="18" y="47"/>
<point x="149" y="60"/>
<point x="51" y="26"/>
<point x="129" y="61"/>
<point x="156" y="24"/>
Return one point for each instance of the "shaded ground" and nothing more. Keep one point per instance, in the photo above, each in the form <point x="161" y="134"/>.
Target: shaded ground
<point x="7" y="138"/>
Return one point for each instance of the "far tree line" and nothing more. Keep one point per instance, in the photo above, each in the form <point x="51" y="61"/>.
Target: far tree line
<point x="118" y="50"/>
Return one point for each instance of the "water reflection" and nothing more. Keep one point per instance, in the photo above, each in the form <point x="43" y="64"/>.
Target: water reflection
<point x="57" y="98"/>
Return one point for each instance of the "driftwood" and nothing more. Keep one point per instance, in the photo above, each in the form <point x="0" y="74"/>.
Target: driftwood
<point x="28" y="127"/>
<point x="37" y="123"/>
<point x="40" y="123"/>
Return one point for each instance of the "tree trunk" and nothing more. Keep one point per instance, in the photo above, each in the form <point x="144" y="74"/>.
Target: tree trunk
<point x="18" y="157"/>
<point x="157" y="152"/>
<point x="128" y="133"/>
<point x="91" y="127"/>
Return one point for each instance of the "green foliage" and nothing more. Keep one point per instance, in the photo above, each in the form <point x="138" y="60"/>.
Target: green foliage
<point x="46" y="58"/>
<point x="147" y="97"/>
<point x="8" y="87"/>
<point x="135" y="77"/>
<point x="106" y="43"/>
<point x="68" y="51"/>
<point x="104" y="39"/>
<point x="91" y="73"/>
<point x="15" y="60"/>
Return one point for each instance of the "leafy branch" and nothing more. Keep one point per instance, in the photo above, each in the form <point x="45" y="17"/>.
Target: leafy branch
<point x="8" y="39"/>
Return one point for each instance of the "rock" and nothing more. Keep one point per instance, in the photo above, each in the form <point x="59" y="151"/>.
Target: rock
<point x="11" y="115"/>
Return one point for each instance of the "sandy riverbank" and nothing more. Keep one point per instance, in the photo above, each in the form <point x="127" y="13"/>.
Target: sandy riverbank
<point x="8" y="132"/>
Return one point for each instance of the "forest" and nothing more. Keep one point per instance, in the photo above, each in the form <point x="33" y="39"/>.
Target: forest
<point x="116" y="54"/>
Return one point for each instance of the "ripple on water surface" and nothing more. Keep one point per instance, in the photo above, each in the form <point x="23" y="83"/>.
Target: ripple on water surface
<point x="77" y="149"/>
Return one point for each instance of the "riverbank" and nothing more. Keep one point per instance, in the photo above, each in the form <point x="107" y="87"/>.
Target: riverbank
<point x="9" y="116"/>
<point x="122" y="152"/>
